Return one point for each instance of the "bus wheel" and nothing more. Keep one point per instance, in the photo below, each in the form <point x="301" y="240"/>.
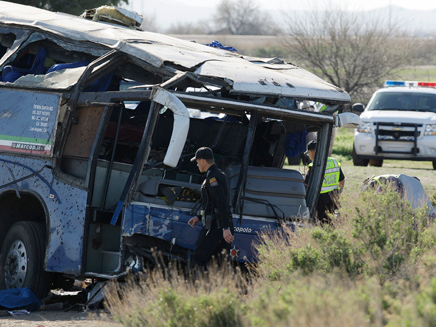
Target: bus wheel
<point x="22" y="258"/>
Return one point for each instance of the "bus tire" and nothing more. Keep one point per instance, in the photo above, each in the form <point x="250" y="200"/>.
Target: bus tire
<point x="22" y="258"/>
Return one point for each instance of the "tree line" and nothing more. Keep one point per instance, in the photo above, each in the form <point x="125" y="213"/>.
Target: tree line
<point x="346" y="48"/>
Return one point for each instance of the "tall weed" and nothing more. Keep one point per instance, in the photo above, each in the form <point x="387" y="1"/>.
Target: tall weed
<point x="383" y="237"/>
<point x="316" y="300"/>
<point x="170" y="299"/>
<point x="411" y="304"/>
<point x="374" y="266"/>
<point x="389" y="231"/>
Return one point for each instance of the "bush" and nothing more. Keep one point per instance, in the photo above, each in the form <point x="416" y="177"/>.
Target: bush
<point x="383" y="238"/>
<point x="163" y="300"/>
<point x="374" y="267"/>
<point x="172" y="308"/>
<point x="411" y="304"/>
<point x="390" y="233"/>
<point x="433" y="200"/>
<point x="313" y="301"/>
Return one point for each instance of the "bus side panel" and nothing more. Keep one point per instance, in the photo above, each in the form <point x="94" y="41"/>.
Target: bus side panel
<point x="64" y="204"/>
<point x="148" y="220"/>
<point x="171" y="224"/>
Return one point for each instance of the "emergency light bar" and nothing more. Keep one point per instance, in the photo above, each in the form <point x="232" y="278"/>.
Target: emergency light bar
<point x="410" y="84"/>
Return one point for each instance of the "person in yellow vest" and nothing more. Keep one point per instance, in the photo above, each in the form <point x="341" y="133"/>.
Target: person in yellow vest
<point x="332" y="186"/>
<point x="381" y="182"/>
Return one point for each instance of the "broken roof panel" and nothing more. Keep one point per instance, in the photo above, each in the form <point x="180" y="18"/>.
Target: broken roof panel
<point x="288" y="82"/>
<point x="58" y="80"/>
<point x="166" y="52"/>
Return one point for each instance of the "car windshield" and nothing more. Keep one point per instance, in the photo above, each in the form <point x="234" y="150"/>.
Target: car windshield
<point x="404" y="101"/>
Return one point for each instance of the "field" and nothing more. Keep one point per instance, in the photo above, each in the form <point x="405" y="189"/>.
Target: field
<point x="354" y="176"/>
<point x="373" y="266"/>
<point x="57" y="319"/>
<point x="418" y="73"/>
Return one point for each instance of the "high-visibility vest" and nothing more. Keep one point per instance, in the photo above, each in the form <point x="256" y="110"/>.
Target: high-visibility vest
<point x="331" y="176"/>
<point x="378" y="181"/>
<point x="321" y="106"/>
<point x="386" y="178"/>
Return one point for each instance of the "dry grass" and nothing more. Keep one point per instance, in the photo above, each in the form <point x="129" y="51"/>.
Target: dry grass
<point x="373" y="267"/>
<point x="316" y="300"/>
<point x="225" y="297"/>
<point x="167" y="297"/>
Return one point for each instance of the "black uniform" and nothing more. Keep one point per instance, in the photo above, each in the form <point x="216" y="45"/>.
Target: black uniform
<point x="215" y="203"/>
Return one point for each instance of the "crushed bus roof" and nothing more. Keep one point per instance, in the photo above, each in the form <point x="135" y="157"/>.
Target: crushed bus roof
<point x="170" y="56"/>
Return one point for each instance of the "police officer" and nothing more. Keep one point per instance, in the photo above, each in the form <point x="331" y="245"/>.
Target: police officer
<point x="333" y="184"/>
<point x="217" y="232"/>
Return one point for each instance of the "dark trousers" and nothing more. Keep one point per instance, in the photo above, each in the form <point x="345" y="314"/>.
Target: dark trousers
<point x="209" y="243"/>
<point x="328" y="202"/>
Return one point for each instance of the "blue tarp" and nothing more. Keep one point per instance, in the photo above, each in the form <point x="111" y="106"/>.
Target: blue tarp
<point x="12" y="73"/>
<point x="216" y="44"/>
<point x="57" y="67"/>
<point x="19" y="298"/>
<point x="295" y="144"/>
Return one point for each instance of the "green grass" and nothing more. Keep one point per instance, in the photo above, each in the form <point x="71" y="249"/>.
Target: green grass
<point x="354" y="176"/>
<point x="343" y="145"/>
<point x="342" y="151"/>
<point x="415" y="73"/>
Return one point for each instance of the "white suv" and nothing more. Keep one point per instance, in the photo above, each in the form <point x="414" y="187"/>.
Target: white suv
<point x="398" y="123"/>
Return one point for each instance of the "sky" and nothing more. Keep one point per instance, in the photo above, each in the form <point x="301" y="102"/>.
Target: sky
<point x="302" y="4"/>
<point x="168" y="12"/>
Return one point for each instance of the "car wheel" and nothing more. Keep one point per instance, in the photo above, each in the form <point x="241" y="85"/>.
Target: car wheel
<point x="22" y="259"/>
<point x="434" y="164"/>
<point x="358" y="161"/>
<point x="376" y="162"/>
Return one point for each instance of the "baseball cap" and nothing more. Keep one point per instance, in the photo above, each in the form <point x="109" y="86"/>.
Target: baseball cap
<point x="203" y="153"/>
<point x="311" y="145"/>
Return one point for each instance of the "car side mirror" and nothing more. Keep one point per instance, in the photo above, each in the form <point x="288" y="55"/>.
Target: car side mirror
<point x="358" y="107"/>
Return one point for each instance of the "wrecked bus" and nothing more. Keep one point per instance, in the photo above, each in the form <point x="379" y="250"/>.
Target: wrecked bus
<point x="97" y="126"/>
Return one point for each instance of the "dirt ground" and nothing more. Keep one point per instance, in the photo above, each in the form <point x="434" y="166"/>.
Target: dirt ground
<point x="57" y="319"/>
<point x="71" y="313"/>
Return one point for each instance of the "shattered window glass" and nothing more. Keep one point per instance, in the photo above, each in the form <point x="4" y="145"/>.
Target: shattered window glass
<point x="6" y="41"/>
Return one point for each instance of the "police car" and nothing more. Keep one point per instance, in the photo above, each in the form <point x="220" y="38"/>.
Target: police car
<point x="398" y="123"/>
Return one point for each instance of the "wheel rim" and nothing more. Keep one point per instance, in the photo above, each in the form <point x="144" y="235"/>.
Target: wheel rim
<point x="16" y="265"/>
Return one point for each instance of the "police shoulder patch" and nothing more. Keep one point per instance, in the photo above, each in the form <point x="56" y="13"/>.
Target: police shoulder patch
<point x="213" y="181"/>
